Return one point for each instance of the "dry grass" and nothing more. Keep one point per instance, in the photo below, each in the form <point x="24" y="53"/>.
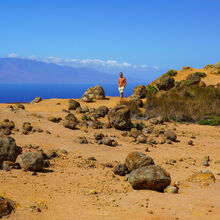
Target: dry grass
<point x="189" y="103"/>
<point x="132" y="105"/>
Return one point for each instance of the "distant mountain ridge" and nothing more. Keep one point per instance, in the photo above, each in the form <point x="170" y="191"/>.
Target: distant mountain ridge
<point x="18" y="70"/>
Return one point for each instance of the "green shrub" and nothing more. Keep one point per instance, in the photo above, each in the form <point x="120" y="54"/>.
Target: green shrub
<point x="189" y="103"/>
<point x="214" y="121"/>
<point x="171" y="72"/>
<point x="151" y="90"/>
<point x="188" y="82"/>
<point x="86" y="118"/>
<point x="200" y="74"/>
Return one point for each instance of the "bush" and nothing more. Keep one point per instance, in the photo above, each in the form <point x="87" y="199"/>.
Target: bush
<point x="151" y="90"/>
<point x="213" y="121"/>
<point x="133" y="106"/>
<point x="190" y="103"/>
<point x="200" y="74"/>
<point x="171" y="72"/>
<point x="86" y="118"/>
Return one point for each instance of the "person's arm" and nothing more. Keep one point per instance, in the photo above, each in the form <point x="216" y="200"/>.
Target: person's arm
<point x="125" y="82"/>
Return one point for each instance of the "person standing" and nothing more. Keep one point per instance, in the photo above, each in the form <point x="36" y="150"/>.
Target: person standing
<point x="121" y="85"/>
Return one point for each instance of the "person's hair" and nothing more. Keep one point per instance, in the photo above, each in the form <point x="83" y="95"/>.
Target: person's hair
<point x="120" y="73"/>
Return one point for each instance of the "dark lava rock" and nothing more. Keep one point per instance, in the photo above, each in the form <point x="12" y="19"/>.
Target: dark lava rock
<point x="6" y="207"/>
<point x="120" y="170"/>
<point x="149" y="177"/>
<point x="165" y="83"/>
<point x="73" y="104"/>
<point x="119" y="117"/>
<point x="136" y="160"/>
<point x="8" y="149"/>
<point x="70" y="121"/>
<point x="170" y="135"/>
<point x="98" y="136"/>
<point x="32" y="161"/>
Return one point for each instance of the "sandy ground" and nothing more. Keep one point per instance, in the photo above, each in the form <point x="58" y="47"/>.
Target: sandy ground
<point x="62" y="193"/>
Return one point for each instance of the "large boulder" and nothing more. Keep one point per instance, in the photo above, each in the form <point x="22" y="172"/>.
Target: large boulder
<point x="93" y="93"/>
<point x="149" y="177"/>
<point x="32" y="161"/>
<point x="135" y="160"/>
<point x="6" y="207"/>
<point x="73" y="104"/>
<point x="165" y="83"/>
<point x="8" y="149"/>
<point x="119" y="117"/>
<point x="140" y="91"/>
<point x="70" y="121"/>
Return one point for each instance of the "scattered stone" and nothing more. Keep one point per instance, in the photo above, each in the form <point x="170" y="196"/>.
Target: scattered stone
<point x="95" y="124"/>
<point x="120" y="170"/>
<point x="207" y="158"/>
<point x="70" y="121"/>
<point x="135" y="132"/>
<point x="203" y="176"/>
<point x="54" y="119"/>
<point x="73" y="104"/>
<point x="119" y="117"/>
<point x="51" y="154"/>
<point x="26" y="128"/>
<point x="107" y="125"/>
<point x="32" y="161"/>
<point x="82" y="140"/>
<point x="19" y="106"/>
<point x="8" y="165"/>
<point x="8" y="150"/>
<point x="35" y="208"/>
<point x="170" y="135"/>
<point x="108" y="141"/>
<point x="98" y="136"/>
<point x="205" y="163"/>
<point x="150" y="212"/>
<point x="141" y="138"/>
<point x="171" y="189"/>
<point x="6" y="207"/>
<point x="36" y="100"/>
<point x="190" y="142"/>
<point x="93" y="93"/>
<point x="64" y="151"/>
<point x="92" y="192"/>
<point x="150" y="177"/>
<point x="136" y="160"/>
<point x="102" y="111"/>
<point x="91" y="158"/>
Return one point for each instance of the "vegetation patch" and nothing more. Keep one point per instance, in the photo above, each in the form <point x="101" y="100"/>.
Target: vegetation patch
<point x="213" y="121"/>
<point x="188" y="103"/>
<point x="200" y="74"/>
<point x="171" y="72"/>
<point x="132" y="105"/>
<point x="151" y="90"/>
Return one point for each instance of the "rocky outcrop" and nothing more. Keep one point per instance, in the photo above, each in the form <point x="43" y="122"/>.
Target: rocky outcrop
<point x="150" y="177"/>
<point x="119" y="117"/>
<point x="165" y="83"/>
<point x="93" y="93"/>
<point x="140" y="91"/>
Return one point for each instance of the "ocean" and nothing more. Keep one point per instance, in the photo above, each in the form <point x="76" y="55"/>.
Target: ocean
<point x="10" y="93"/>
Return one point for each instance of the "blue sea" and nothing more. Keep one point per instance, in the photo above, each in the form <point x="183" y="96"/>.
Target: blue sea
<point x="10" y="93"/>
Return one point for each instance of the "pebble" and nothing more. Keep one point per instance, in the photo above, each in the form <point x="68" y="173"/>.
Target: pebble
<point x="205" y="163"/>
<point x="150" y="212"/>
<point x="92" y="192"/>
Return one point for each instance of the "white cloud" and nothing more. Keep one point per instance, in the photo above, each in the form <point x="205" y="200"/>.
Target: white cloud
<point x="91" y="63"/>
<point x="12" y="55"/>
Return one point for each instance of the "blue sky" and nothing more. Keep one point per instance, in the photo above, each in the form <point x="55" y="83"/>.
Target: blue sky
<point x="144" y="33"/>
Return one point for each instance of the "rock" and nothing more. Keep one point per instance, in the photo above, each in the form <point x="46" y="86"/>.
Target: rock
<point x="203" y="176"/>
<point x="91" y="158"/>
<point x="170" y="135"/>
<point x="193" y="79"/>
<point x="95" y="124"/>
<point x="134" y="132"/>
<point x="165" y="83"/>
<point x="107" y="125"/>
<point x="51" y="154"/>
<point x="102" y="111"/>
<point x="27" y="127"/>
<point x="98" y="136"/>
<point x="19" y="106"/>
<point x="96" y="92"/>
<point x="205" y="163"/>
<point x="8" y="165"/>
<point x="141" y="139"/>
<point x="82" y="140"/>
<point x="136" y="160"/>
<point x="6" y="207"/>
<point x="190" y="142"/>
<point x="92" y="192"/>
<point x="157" y="120"/>
<point x="79" y="110"/>
<point x="73" y="104"/>
<point x="8" y="149"/>
<point x="54" y="119"/>
<point x="108" y="141"/>
<point x="140" y="91"/>
<point x="120" y="170"/>
<point x="87" y="98"/>
<point x="32" y="161"/>
<point x="150" y="177"/>
<point x="171" y="189"/>
<point x="36" y="100"/>
<point x="119" y="117"/>
<point x="70" y="121"/>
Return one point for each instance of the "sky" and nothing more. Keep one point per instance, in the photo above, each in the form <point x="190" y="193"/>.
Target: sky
<point x="136" y="34"/>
